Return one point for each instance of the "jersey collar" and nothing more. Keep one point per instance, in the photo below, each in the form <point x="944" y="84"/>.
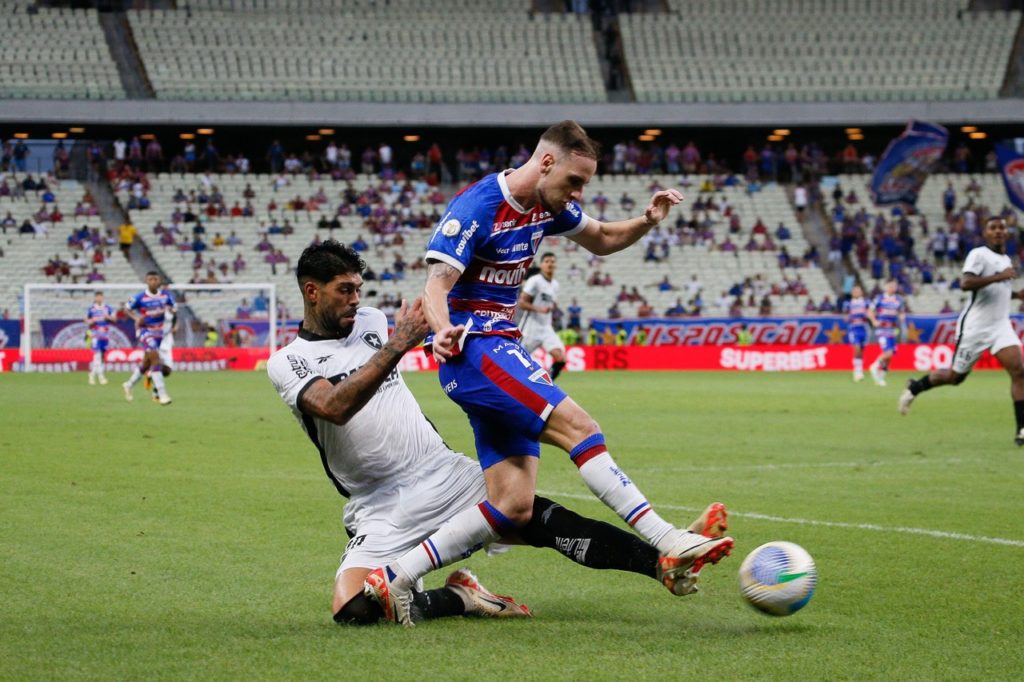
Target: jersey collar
<point x="503" y="184"/>
<point x="307" y="335"/>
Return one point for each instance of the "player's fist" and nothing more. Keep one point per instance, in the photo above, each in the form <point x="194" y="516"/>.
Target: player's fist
<point x="410" y="324"/>
<point x="446" y="342"/>
<point x="1008" y="274"/>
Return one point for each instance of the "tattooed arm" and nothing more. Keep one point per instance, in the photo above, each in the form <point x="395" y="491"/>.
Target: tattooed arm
<point x="340" y="402"/>
<point x="441" y="277"/>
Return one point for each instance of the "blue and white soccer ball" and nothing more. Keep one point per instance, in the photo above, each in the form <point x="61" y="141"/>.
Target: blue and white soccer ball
<point x="778" y="578"/>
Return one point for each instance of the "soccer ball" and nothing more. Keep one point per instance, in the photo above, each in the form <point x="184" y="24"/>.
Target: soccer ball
<point x="778" y="578"/>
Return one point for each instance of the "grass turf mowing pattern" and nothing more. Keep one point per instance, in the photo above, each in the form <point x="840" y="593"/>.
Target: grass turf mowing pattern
<point x="200" y="540"/>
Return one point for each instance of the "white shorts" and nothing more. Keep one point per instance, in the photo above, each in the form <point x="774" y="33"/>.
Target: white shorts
<point x="391" y="520"/>
<point x="166" y="353"/>
<point x="973" y="341"/>
<point x="535" y="337"/>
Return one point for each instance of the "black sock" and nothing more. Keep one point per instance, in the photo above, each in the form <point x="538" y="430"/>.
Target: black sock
<point x="436" y="604"/>
<point x="590" y="543"/>
<point x="920" y="385"/>
<point x="556" y="369"/>
<point x="1018" y="411"/>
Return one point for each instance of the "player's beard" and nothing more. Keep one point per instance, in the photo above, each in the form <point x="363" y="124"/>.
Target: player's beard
<point x="336" y="326"/>
<point x="548" y="205"/>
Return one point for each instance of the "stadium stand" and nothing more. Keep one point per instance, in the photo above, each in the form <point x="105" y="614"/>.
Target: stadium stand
<point x="55" y="54"/>
<point x="818" y="50"/>
<point x="399" y="51"/>
<point x="688" y="254"/>
<point x="27" y="256"/>
<point x="976" y="196"/>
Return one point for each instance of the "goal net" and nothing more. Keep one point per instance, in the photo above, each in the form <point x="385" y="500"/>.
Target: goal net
<point x="218" y="326"/>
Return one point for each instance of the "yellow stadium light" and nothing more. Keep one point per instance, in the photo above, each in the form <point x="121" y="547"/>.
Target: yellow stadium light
<point x="968" y="129"/>
<point x="775" y="138"/>
<point x="856" y="137"/>
<point x="187" y="136"/>
<point x="978" y="135"/>
<point x="326" y="131"/>
<point x="653" y="131"/>
<point x="20" y="136"/>
<point x="59" y="136"/>
<point x="853" y="131"/>
<point x="647" y="138"/>
<point x="411" y="138"/>
<point x="76" y="130"/>
<point x="205" y="131"/>
<point x="147" y="136"/>
<point x="781" y="131"/>
<point x="313" y="138"/>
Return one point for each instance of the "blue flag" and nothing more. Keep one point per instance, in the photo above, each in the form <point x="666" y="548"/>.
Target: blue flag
<point x="1011" y="165"/>
<point x="906" y="162"/>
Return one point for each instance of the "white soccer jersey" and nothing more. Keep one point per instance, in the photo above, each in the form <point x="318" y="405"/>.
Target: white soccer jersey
<point x="354" y="455"/>
<point x="544" y="293"/>
<point x="989" y="305"/>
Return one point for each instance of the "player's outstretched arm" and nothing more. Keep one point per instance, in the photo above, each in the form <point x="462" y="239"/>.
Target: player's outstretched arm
<point x="340" y="402"/>
<point x="606" y="238"/>
<point x="972" y="282"/>
<point x="441" y="277"/>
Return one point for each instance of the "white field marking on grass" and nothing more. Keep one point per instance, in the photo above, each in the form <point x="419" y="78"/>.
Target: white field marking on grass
<point x="634" y="466"/>
<point x="941" y="534"/>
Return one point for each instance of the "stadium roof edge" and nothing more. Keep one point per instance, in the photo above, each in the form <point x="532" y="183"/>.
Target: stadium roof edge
<point x="162" y="112"/>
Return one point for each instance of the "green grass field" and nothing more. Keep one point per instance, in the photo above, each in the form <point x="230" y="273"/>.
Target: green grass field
<point x="200" y="540"/>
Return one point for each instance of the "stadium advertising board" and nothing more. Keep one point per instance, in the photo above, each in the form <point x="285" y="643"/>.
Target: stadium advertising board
<point x="10" y="333"/>
<point x="249" y="332"/>
<point x="777" y="331"/>
<point x="758" y="358"/>
<point x="71" y="333"/>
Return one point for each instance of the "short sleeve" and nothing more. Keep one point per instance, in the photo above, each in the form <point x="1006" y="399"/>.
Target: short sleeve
<point x="133" y="302"/>
<point x="460" y="232"/>
<point x="973" y="264"/>
<point x="170" y="299"/>
<point x="874" y="303"/>
<point x="531" y="287"/>
<point x="291" y="376"/>
<point x="569" y="222"/>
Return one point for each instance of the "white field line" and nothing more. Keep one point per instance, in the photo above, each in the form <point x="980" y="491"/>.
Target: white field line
<point x="941" y="534"/>
<point x="637" y="466"/>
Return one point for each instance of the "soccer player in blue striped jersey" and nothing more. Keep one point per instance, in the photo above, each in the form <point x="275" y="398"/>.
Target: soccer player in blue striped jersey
<point x="856" y="309"/>
<point x="477" y="258"/>
<point x="98" y="317"/>
<point x="888" y="314"/>
<point x="149" y="309"/>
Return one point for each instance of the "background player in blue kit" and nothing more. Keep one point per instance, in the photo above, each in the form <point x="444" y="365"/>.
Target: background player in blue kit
<point x="98" y="317"/>
<point x="478" y="256"/>
<point x="149" y="309"/>
<point x="856" y="310"/>
<point x="887" y="314"/>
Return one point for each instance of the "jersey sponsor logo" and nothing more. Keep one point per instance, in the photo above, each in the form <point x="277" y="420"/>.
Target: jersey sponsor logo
<point x="466" y="236"/>
<point x="372" y="339"/>
<point x="299" y="366"/>
<point x="521" y="247"/>
<point x="323" y="358"/>
<point x="451" y="228"/>
<point x="511" y="274"/>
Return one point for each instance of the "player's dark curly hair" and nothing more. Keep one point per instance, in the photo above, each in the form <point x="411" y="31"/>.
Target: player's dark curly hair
<point x="324" y="261"/>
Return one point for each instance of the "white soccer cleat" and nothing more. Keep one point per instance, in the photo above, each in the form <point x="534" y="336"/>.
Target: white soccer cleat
<point x="1019" y="440"/>
<point x="858" y="376"/>
<point x="480" y="601"/>
<point x="679" y="568"/>
<point x="165" y="400"/>
<point x="103" y="380"/>
<point x="127" y="391"/>
<point x="396" y="603"/>
<point x="92" y="380"/>
<point x="905" y="399"/>
<point x="876" y="374"/>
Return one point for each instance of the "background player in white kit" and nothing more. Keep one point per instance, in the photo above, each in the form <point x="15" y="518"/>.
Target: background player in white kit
<point x="537" y="300"/>
<point x="341" y="381"/>
<point x="984" y="324"/>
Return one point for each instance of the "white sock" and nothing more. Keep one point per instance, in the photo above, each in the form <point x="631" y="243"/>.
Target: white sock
<point x="462" y="535"/>
<point x="97" y="364"/>
<point x="136" y="377"/>
<point x="614" y="488"/>
<point x="858" y="364"/>
<point x="158" y="381"/>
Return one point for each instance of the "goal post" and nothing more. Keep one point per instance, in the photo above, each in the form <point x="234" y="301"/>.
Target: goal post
<point x="206" y="302"/>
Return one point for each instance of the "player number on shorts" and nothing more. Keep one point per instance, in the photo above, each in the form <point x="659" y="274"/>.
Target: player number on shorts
<point x="523" y="359"/>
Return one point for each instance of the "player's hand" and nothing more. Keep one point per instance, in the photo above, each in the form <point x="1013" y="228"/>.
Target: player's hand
<point x="410" y="325"/>
<point x="1007" y="274"/>
<point x="661" y="203"/>
<point x="445" y="341"/>
<point x="543" y="309"/>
